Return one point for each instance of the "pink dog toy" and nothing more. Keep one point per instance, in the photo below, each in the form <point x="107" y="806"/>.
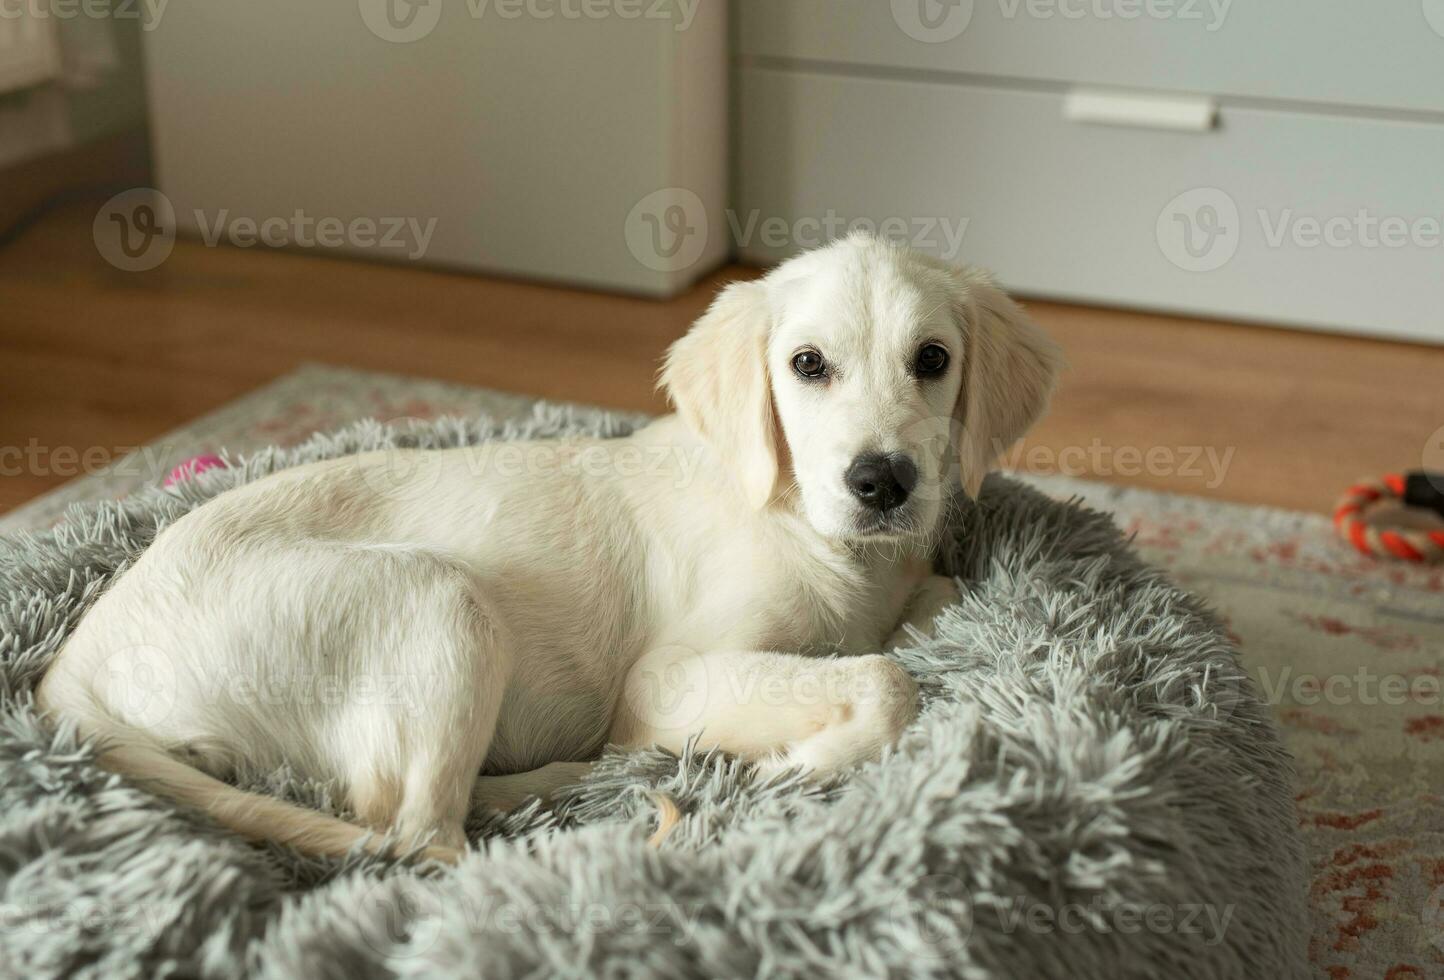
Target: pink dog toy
<point x="194" y="466"/>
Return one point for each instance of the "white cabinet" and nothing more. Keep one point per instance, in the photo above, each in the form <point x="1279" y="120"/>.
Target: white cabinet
<point x="579" y="143"/>
<point x="1312" y="196"/>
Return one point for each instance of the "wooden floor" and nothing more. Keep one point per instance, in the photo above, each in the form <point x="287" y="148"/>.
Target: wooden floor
<point x="94" y="358"/>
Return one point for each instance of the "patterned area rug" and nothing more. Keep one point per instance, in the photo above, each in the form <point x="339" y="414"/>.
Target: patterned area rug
<point x="1348" y="651"/>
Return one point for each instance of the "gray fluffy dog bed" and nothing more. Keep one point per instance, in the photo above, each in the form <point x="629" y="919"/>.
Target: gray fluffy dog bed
<point x="1093" y="790"/>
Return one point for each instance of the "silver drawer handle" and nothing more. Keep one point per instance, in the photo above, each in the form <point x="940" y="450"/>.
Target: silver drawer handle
<point x="1187" y="113"/>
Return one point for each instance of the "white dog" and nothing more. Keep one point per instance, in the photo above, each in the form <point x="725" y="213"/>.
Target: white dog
<point x="728" y="574"/>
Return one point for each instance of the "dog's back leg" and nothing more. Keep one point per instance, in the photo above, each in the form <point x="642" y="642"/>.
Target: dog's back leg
<point x="382" y="667"/>
<point x="444" y="675"/>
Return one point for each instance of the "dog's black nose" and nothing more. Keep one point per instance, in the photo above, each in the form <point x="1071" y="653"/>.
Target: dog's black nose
<point x="881" y="482"/>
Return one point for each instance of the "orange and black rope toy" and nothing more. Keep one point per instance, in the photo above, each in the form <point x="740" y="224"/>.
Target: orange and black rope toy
<point x="1417" y="489"/>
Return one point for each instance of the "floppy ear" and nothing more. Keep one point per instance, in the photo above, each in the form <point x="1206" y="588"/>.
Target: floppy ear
<point x="717" y="377"/>
<point x="1008" y="378"/>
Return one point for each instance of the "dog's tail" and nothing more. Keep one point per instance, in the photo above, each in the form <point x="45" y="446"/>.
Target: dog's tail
<point x="132" y="753"/>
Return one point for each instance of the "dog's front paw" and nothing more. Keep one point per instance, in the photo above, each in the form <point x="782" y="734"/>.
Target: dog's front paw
<point x="875" y="701"/>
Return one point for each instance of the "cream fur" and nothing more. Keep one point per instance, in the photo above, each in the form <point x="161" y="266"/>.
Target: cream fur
<point x="531" y="602"/>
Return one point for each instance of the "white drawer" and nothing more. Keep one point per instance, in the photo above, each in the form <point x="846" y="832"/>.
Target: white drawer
<point x="469" y="136"/>
<point x="1381" y="54"/>
<point x="1094" y="213"/>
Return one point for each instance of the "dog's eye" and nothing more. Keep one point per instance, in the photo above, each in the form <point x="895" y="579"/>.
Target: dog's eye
<point x="932" y="360"/>
<point x="809" y="364"/>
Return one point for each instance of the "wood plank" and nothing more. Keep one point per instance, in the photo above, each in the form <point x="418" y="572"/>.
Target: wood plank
<point x="92" y="356"/>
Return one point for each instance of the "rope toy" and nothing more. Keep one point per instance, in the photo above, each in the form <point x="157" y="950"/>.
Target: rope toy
<point x="1417" y="489"/>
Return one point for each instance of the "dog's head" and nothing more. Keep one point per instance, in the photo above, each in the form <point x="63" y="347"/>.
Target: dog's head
<point x="871" y="376"/>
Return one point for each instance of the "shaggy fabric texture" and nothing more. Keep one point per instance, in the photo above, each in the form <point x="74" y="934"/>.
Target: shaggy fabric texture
<point x="1093" y="789"/>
